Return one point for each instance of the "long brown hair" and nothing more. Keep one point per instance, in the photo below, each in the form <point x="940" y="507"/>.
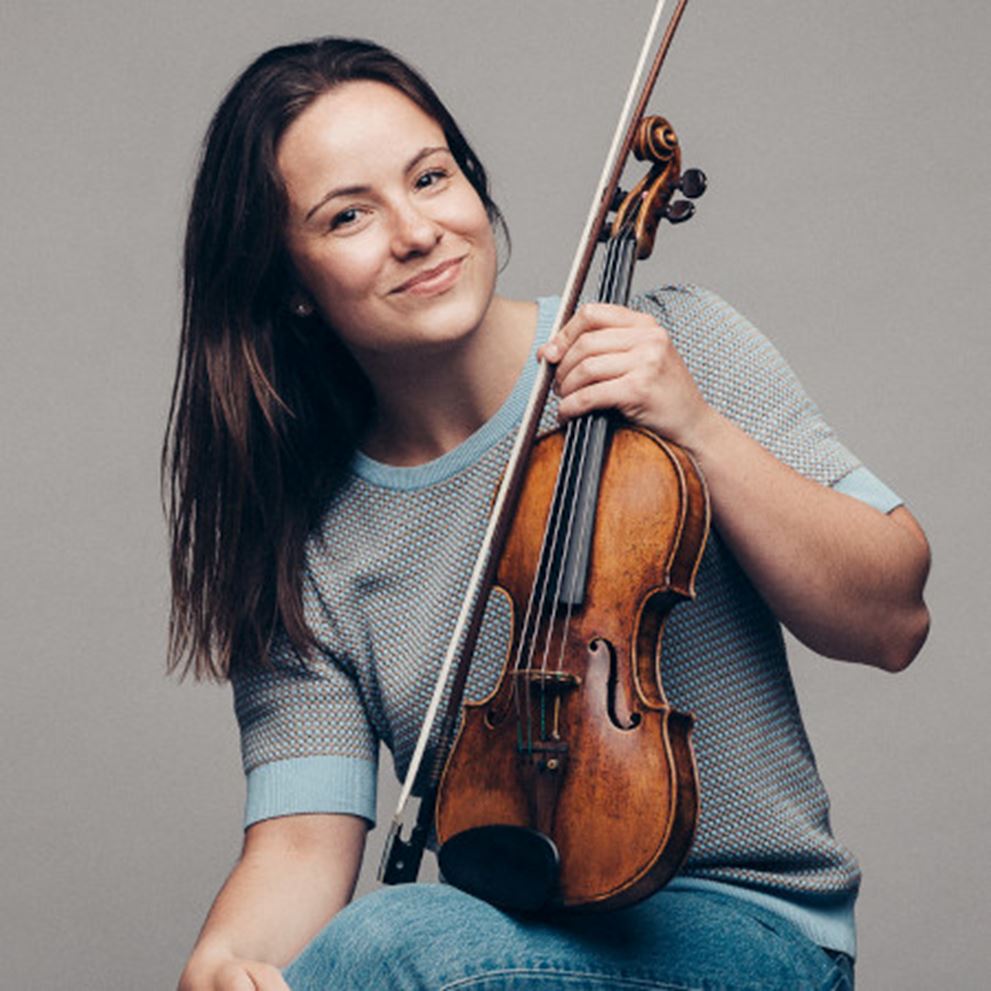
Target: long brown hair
<point x="267" y="405"/>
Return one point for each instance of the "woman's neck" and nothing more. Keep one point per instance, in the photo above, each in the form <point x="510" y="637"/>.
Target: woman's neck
<point x="428" y="403"/>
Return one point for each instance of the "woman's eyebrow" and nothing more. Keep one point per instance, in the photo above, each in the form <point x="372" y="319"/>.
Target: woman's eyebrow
<point x="337" y="191"/>
<point x="422" y="154"/>
<point x="362" y="189"/>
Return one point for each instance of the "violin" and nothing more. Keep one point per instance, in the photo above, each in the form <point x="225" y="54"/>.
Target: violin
<point x="573" y="784"/>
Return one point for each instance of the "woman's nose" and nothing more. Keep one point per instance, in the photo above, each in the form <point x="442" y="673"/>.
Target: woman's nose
<point x="415" y="232"/>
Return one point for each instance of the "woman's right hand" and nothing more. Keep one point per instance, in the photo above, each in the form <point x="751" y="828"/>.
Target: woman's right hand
<point x="231" y="975"/>
<point x="295" y="872"/>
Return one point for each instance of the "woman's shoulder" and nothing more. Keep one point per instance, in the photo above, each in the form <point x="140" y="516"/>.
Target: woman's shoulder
<point x="739" y="370"/>
<point x="704" y="327"/>
<point x="687" y="304"/>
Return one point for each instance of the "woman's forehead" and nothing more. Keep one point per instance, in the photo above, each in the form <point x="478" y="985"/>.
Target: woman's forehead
<point x="360" y="125"/>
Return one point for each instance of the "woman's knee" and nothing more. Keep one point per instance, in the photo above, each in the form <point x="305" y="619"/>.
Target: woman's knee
<point x="390" y="939"/>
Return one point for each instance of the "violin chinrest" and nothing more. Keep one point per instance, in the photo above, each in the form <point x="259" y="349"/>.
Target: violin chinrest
<point x="511" y="867"/>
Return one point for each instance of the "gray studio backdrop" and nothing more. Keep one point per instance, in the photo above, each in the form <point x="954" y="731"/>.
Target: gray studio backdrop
<point x="846" y="145"/>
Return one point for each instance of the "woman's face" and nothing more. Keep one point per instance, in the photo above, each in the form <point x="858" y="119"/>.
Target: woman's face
<point x="388" y="238"/>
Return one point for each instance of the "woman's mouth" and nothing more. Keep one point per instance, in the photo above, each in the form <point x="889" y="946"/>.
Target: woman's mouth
<point x="437" y="279"/>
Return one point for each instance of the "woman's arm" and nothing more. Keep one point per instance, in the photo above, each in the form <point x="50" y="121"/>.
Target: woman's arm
<point x="293" y="875"/>
<point x="844" y="578"/>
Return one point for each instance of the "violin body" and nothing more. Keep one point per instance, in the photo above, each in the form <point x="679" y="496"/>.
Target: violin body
<point x="577" y="743"/>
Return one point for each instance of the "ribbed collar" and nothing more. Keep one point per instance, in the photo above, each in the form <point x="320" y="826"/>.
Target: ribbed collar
<point x="506" y="419"/>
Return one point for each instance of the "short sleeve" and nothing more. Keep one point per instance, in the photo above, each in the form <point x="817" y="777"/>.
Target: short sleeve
<point x="306" y="741"/>
<point x="743" y="376"/>
<point x="864" y="485"/>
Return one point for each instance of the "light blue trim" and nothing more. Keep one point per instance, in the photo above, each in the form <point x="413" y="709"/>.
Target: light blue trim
<point x="827" y="921"/>
<point x="311" y="784"/>
<point x="490" y="433"/>
<point x="864" y="485"/>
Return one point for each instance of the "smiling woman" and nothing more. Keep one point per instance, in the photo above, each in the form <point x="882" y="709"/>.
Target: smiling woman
<point x="392" y="246"/>
<point x="399" y="227"/>
<point x="347" y="394"/>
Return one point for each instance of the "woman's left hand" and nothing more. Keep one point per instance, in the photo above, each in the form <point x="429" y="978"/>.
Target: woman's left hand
<point x="611" y="357"/>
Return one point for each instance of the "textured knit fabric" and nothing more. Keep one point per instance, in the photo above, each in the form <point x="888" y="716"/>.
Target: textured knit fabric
<point x="386" y="571"/>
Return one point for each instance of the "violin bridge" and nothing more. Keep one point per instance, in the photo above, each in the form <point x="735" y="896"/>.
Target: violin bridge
<point x="547" y="680"/>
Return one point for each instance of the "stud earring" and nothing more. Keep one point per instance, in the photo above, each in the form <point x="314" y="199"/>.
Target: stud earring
<point x="301" y="308"/>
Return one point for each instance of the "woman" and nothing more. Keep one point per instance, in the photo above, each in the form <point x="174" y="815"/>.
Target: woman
<point x="348" y="385"/>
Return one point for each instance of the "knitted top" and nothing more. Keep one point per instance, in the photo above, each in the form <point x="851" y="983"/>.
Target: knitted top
<point x="388" y="566"/>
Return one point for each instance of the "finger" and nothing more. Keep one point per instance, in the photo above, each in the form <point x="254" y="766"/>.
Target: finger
<point x="594" y="368"/>
<point x="597" y="396"/>
<point x="234" y="977"/>
<point x="267" y="978"/>
<point x="587" y="317"/>
<point x="596" y="342"/>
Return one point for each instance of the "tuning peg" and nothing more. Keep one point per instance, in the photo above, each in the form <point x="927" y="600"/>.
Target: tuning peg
<point x="679" y="211"/>
<point x="693" y="183"/>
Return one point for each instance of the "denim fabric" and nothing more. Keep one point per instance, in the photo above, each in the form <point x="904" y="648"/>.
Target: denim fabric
<point x="436" y="938"/>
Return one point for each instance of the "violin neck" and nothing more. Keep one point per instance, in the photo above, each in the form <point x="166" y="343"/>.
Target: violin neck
<point x="617" y="268"/>
<point x="569" y="541"/>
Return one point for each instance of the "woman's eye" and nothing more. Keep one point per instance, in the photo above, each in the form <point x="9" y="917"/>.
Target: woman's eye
<point x="430" y="178"/>
<point x="343" y="218"/>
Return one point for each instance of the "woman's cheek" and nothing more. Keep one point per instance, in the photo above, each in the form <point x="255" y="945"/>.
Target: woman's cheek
<point x="342" y="274"/>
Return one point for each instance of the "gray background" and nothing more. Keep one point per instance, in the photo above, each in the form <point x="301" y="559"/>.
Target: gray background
<point x="846" y="145"/>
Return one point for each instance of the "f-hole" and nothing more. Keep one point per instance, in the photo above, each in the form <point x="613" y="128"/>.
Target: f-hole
<point x="619" y="712"/>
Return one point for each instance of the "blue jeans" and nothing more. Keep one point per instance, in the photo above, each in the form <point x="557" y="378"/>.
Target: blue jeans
<point x="436" y="938"/>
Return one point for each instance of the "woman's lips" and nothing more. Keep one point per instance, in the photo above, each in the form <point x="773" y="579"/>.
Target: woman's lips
<point x="437" y="279"/>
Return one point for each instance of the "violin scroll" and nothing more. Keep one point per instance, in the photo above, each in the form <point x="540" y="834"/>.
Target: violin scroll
<point x="651" y="200"/>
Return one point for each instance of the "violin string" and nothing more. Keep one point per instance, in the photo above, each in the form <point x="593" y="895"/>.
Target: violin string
<point x="606" y="280"/>
<point x="622" y="295"/>
<point x="613" y="287"/>
<point x="555" y="557"/>
<point x="573" y="461"/>
<point x="555" y="550"/>
<point x="569" y="473"/>
<point x="581" y="444"/>
<point x="529" y="631"/>
<point x="571" y="470"/>
<point x="555" y="546"/>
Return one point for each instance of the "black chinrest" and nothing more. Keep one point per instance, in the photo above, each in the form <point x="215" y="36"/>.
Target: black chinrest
<point x="511" y="867"/>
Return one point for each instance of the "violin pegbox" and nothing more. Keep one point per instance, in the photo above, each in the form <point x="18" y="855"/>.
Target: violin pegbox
<point x="652" y="199"/>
